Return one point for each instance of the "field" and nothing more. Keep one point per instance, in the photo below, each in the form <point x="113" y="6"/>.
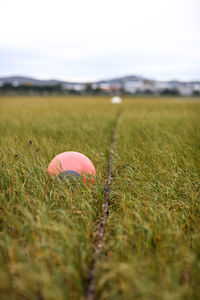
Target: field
<point x="152" y="241"/>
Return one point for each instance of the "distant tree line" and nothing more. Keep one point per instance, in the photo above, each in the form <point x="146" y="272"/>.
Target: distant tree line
<point x="24" y="89"/>
<point x="28" y="89"/>
<point x="8" y="88"/>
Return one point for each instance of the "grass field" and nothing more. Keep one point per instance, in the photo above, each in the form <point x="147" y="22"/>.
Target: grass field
<point x="152" y="246"/>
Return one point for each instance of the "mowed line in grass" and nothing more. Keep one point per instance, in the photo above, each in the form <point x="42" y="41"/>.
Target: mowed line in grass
<point x="100" y="230"/>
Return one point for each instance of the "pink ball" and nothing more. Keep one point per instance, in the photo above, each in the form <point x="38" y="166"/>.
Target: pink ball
<point x="71" y="161"/>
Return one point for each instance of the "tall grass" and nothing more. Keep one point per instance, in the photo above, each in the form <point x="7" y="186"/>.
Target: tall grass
<point x="152" y="241"/>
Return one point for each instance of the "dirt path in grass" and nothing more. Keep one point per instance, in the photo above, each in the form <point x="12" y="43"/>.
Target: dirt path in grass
<point x="99" y="234"/>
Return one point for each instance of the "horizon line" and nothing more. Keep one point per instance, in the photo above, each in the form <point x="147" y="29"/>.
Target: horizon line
<point x="96" y="79"/>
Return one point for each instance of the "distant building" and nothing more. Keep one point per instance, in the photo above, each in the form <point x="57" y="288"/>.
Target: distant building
<point x="132" y="86"/>
<point x="196" y="87"/>
<point x="15" y="83"/>
<point x="185" y="89"/>
<point x="105" y="87"/>
<point x="94" y="86"/>
<point x="149" y="86"/>
<point x="115" y="86"/>
<point x="78" y="87"/>
<point x="162" y="85"/>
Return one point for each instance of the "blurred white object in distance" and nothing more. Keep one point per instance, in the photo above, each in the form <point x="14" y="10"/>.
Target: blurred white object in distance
<point x="116" y="100"/>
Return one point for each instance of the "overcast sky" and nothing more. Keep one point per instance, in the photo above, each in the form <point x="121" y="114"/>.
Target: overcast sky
<point x="90" y="39"/>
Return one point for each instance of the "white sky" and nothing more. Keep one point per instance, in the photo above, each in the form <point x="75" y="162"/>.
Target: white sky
<point x="90" y="39"/>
